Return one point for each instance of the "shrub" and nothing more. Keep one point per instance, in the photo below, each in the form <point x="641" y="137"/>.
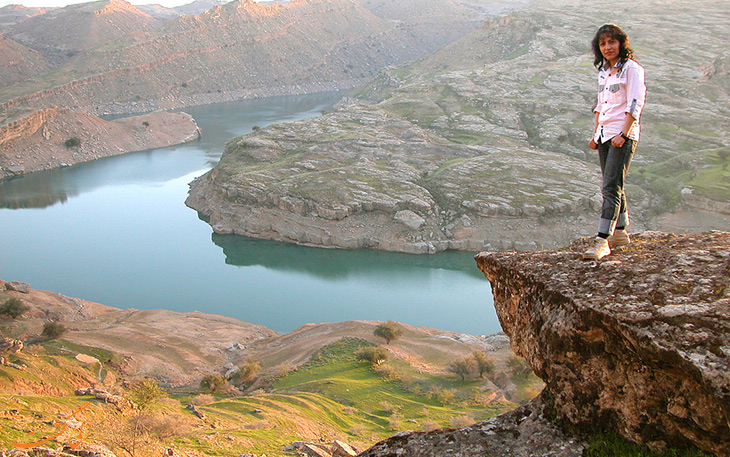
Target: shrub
<point x="357" y="430"/>
<point x="13" y="307"/>
<point x="389" y="331"/>
<point x="214" y="382"/>
<point x="373" y="355"/>
<point x="446" y="396"/>
<point x="53" y="330"/>
<point x="166" y="425"/>
<point x="387" y="370"/>
<point x="389" y="408"/>
<point x="395" y="422"/>
<point x="284" y="369"/>
<point x="72" y="142"/>
<point x="202" y="399"/>
<point x="519" y="366"/>
<point x="461" y="421"/>
<point x="429" y="426"/>
<point x="249" y="370"/>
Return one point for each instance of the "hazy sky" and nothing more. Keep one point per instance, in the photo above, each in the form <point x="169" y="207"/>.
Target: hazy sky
<point x="167" y="3"/>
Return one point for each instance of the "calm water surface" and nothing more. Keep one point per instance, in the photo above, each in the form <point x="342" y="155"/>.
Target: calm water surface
<point x="116" y="231"/>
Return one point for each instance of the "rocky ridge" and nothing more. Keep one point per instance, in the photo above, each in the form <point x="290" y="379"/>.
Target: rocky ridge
<point x="236" y="50"/>
<point x="483" y="145"/>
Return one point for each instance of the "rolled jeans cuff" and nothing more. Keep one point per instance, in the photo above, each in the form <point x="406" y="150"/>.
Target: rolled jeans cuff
<point x="608" y="225"/>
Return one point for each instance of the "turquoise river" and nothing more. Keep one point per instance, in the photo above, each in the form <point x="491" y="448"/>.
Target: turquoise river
<point x="116" y="231"/>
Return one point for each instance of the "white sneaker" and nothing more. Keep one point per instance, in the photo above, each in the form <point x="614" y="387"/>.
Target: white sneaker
<point x="619" y="238"/>
<point x="599" y="250"/>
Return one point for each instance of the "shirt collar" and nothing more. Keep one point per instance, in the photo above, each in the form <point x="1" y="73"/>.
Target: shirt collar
<point x="619" y="64"/>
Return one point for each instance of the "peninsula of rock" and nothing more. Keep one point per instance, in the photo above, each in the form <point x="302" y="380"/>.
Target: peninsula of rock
<point x="53" y="138"/>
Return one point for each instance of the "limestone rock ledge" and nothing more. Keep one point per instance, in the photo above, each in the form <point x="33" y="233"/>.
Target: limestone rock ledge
<point x="638" y="343"/>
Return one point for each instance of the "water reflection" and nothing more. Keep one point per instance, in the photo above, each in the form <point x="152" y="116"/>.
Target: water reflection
<point x="337" y="264"/>
<point x="36" y="192"/>
<point x="46" y="188"/>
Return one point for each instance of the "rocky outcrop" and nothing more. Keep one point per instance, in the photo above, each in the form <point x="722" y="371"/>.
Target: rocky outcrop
<point x="121" y="403"/>
<point x="528" y="431"/>
<point x="11" y="346"/>
<point x="39" y="141"/>
<point x="27" y="125"/>
<point x="636" y="343"/>
<point x="336" y="449"/>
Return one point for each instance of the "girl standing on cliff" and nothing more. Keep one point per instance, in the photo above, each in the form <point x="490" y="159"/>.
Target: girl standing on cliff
<point x="621" y="95"/>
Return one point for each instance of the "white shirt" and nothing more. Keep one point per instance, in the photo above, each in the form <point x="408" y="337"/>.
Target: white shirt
<point x="618" y="94"/>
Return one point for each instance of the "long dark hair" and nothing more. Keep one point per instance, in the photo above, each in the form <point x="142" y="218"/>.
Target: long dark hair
<point x="615" y="32"/>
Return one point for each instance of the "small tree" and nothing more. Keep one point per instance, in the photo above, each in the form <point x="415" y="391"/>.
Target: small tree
<point x="145" y="393"/>
<point x="484" y="363"/>
<point x="214" y="382"/>
<point x="133" y="435"/>
<point x="373" y="355"/>
<point x="463" y="367"/>
<point x="519" y="366"/>
<point x="53" y="330"/>
<point x="13" y="307"/>
<point x="389" y="331"/>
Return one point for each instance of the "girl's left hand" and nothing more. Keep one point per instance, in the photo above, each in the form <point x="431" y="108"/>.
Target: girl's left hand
<point x="618" y="141"/>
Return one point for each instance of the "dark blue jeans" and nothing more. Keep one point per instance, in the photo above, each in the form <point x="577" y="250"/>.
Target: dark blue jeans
<point x="614" y="166"/>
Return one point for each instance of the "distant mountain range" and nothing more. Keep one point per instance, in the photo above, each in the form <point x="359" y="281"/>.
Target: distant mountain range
<point x="110" y="56"/>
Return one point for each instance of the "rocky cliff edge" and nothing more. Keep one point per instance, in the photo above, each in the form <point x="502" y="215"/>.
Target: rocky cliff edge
<point x="638" y="343"/>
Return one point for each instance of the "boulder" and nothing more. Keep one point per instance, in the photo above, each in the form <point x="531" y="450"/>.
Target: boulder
<point x="343" y="449"/>
<point x="638" y="343"/>
<point x="409" y="219"/>
<point x="313" y="450"/>
<point x="17" y="287"/>
<point x="11" y="346"/>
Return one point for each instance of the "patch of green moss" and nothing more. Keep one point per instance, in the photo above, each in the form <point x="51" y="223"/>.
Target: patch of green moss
<point x="607" y="444"/>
